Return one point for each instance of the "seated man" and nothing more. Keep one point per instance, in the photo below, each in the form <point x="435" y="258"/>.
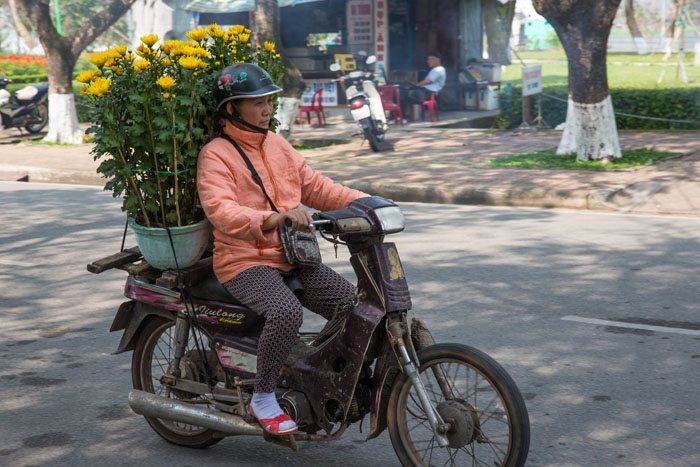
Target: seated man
<point x="433" y="82"/>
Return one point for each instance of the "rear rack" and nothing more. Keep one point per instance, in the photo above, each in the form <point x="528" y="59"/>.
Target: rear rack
<point x="131" y="261"/>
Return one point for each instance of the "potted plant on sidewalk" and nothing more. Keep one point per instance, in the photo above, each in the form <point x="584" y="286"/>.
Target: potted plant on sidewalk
<point x="151" y="113"/>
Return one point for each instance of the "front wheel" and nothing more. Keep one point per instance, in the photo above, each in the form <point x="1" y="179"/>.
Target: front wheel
<point x="488" y="420"/>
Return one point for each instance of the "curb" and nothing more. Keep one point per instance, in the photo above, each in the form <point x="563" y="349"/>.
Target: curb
<point x="533" y="197"/>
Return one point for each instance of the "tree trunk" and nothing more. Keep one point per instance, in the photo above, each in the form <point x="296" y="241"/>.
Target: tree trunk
<point x="498" y="21"/>
<point x="266" y="27"/>
<point x="583" y="27"/>
<point x="63" y="118"/>
<point x="61" y="54"/>
<point x="639" y="42"/>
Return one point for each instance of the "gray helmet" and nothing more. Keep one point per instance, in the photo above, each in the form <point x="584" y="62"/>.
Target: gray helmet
<point x="241" y="81"/>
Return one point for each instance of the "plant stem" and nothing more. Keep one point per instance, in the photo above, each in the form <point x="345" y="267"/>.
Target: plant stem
<point x="157" y="167"/>
<point x="177" y="193"/>
<point x="136" y="190"/>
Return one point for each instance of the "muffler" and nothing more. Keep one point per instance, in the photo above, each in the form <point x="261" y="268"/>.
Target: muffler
<point x="151" y="405"/>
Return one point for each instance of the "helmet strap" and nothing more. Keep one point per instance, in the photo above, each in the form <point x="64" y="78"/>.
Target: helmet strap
<point x="235" y="117"/>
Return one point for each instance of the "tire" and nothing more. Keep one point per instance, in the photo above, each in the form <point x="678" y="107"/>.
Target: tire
<point x="477" y="436"/>
<point x="141" y="375"/>
<point x="374" y="142"/>
<point x="42" y="112"/>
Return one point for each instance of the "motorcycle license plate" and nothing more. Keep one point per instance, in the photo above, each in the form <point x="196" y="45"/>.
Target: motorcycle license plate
<point x="359" y="114"/>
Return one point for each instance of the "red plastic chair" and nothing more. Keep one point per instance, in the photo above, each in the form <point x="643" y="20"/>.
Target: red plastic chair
<point x="431" y="106"/>
<point x="316" y="107"/>
<point x="391" y="101"/>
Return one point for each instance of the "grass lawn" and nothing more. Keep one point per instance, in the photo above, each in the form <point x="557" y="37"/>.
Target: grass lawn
<point x="549" y="160"/>
<point x="636" y="71"/>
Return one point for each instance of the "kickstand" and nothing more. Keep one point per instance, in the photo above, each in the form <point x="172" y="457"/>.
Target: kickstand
<point x="287" y="441"/>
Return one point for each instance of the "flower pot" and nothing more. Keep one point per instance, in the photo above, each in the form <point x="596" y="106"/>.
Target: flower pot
<point x="189" y="243"/>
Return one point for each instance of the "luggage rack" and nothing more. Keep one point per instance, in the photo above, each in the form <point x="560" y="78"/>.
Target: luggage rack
<point x="131" y="261"/>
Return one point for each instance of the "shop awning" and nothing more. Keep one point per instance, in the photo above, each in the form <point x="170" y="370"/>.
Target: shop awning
<point x="233" y="6"/>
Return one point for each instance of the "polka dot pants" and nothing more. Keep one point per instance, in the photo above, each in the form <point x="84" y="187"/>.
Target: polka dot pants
<point x="261" y="288"/>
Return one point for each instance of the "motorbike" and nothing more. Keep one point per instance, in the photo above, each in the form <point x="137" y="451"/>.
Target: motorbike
<point x="29" y="109"/>
<point x="194" y="359"/>
<point x="364" y="101"/>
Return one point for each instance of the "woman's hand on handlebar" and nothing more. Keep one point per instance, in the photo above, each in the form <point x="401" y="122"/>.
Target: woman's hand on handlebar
<point x="299" y="219"/>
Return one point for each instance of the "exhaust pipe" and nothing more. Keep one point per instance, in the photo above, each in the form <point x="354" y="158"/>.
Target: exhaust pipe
<point x="151" y="405"/>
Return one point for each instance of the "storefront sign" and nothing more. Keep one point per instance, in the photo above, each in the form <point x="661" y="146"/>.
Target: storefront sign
<point x="532" y="80"/>
<point x="329" y="96"/>
<point x="359" y="19"/>
<point x="381" y="31"/>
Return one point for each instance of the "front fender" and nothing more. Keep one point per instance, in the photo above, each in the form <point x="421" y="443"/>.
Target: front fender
<point x="131" y="317"/>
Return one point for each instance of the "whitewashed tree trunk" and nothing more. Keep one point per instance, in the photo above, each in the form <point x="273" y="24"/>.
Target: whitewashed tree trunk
<point x="286" y="114"/>
<point x="590" y="131"/>
<point x="63" y="120"/>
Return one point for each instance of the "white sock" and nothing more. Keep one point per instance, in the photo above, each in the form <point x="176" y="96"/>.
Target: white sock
<point x="265" y="405"/>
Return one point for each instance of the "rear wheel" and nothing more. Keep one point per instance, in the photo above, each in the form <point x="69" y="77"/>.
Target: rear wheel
<point x="488" y="419"/>
<point x="373" y="138"/>
<point x="152" y="355"/>
<point x="40" y="116"/>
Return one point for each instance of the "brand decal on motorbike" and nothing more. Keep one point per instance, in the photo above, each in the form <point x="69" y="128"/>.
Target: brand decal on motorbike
<point x="225" y="316"/>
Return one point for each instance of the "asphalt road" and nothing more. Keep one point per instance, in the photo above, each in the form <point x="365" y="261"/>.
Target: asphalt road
<point x="498" y="279"/>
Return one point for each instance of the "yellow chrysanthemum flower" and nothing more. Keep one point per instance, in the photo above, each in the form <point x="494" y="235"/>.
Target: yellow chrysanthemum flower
<point x="269" y="46"/>
<point x="234" y="42"/>
<point x="150" y="39"/>
<point x="244" y="37"/>
<point x="215" y="31"/>
<point x="120" y="49"/>
<point x="98" y="59"/>
<point x="277" y="55"/>
<point x="143" y="51"/>
<point x="165" y="82"/>
<point x="197" y="34"/>
<point x="166" y="95"/>
<point x="98" y="87"/>
<point x="191" y="63"/>
<point x="247" y="31"/>
<point x="88" y="75"/>
<point x="166" y="62"/>
<point x="236" y="30"/>
<point x="194" y="51"/>
<point x="140" y="65"/>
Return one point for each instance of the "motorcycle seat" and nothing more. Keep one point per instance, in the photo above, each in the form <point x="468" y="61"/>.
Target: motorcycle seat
<point x="211" y="289"/>
<point x="27" y="93"/>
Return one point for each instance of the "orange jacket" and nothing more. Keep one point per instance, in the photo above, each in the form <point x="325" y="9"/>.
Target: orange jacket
<point x="237" y="208"/>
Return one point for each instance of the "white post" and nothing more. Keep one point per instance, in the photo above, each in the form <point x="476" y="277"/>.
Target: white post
<point x="286" y="114"/>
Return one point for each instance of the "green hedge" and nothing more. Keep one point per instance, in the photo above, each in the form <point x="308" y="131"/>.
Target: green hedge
<point x="674" y="104"/>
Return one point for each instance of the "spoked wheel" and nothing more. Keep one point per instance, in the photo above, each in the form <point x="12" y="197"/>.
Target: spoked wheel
<point x="152" y="355"/>
<point x="488" y="421"/>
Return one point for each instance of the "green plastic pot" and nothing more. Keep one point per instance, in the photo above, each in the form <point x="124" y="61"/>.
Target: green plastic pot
<point x="189" y="243"/>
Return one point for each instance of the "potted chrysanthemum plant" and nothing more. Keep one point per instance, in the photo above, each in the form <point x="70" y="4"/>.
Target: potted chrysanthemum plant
<point x="151" y="112"/>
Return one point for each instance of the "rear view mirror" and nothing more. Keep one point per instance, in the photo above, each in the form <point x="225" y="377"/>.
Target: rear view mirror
<point x="335" y="67"/>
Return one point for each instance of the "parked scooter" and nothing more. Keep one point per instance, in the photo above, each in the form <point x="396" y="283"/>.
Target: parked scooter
<point x="29" y="109"/>
<point x="194" y="360"/>
<point x="364" y="100"/>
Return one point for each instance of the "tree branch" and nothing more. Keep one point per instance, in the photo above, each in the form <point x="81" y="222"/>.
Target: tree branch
<point x="99" y="24"/>
<point x="40" y="18"/>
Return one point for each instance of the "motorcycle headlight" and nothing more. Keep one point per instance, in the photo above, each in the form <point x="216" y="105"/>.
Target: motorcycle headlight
<point x="391" y="219"/>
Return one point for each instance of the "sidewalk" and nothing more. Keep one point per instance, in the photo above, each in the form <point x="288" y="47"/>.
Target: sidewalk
<point x="439" y="165"/>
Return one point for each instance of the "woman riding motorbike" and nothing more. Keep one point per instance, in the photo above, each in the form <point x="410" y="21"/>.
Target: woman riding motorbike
<point x="248" y="256"/>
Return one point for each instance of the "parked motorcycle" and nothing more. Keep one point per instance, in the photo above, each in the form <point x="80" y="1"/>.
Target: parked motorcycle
<point x="28" y="109"/>
<point x="364" y="100"/>
<point x="194" y="360"/>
